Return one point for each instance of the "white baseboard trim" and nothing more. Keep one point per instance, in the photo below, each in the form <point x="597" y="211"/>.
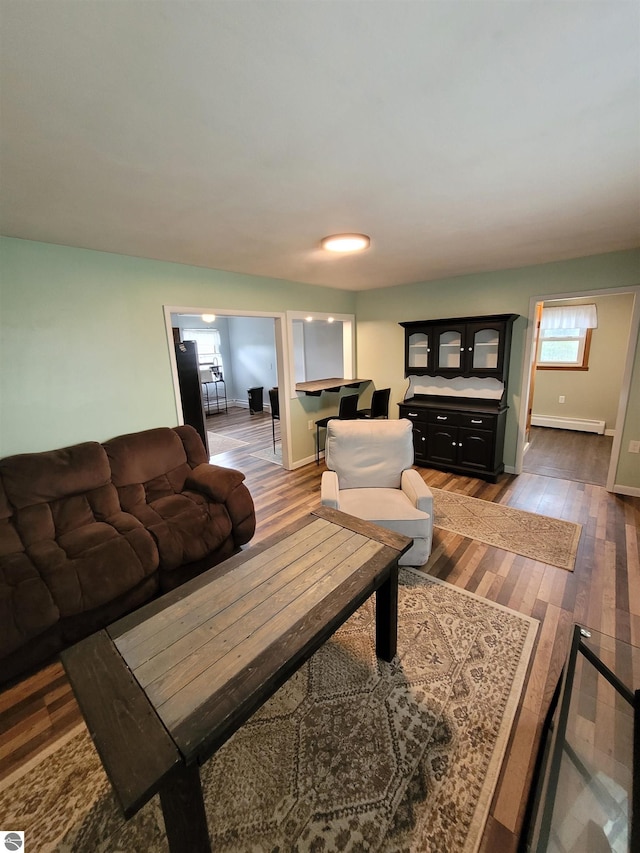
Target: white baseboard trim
<point x="301" y="462"/>
<point x="631" y="491"/>
<point x="580" y="424"/>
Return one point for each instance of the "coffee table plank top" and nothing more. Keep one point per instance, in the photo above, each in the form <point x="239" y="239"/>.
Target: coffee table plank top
<point x="127" y="725"/>
<point x="167" y="672"/>
<point x="201" y="733"/>
<point x="201" y="648"/>
<point x="239" y="645"/>
<point x="146" y="640"/>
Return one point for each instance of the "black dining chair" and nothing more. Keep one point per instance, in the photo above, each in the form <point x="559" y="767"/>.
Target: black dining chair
<point x="379" y="405"/>
<point x="347" y="411"/>
<point x="274" y="402"/>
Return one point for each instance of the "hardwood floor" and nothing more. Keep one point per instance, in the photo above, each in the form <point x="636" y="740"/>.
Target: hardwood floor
<point x="603" y="592"/>
<point x="568" y="455"/>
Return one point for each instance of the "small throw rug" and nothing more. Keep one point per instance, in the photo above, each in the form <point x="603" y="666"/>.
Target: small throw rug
<point x="547" y="540"/>
<point x="270" y="455"/>
<point x="351" y="754"/>
<point x="221" y="443"/>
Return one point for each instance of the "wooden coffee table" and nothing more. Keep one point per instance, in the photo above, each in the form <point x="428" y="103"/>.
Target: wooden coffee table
<point x="162" y="689"/>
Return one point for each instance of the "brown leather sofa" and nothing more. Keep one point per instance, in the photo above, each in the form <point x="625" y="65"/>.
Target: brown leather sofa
<point x="90" y="532"/>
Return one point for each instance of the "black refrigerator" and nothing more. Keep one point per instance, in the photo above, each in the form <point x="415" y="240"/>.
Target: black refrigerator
<point x="191" y="387"/>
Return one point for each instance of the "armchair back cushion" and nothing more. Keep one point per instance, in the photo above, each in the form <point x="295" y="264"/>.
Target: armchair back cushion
<point x="369" y="454"/>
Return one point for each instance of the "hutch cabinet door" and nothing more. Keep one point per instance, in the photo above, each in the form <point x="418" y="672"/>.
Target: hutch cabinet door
<point x="475" y="448"/>
<point x="485" y="348"/>
<point x="442" y="444"/>
<point x="419" y="426"/>
<point x="448" y="342"/>
<point x="418" y="353"/>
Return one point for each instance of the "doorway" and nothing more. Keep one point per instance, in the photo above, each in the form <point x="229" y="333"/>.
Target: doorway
<point x="619" y="404"/>
<point x="252" y="354"/>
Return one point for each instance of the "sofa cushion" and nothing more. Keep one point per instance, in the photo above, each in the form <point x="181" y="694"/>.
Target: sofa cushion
<point x="155" y="458"/>
<point x="70" y="523"/>
<point x="26" y="606"/>
<point x="38" y="478"/>
<point x="155" y="482"/>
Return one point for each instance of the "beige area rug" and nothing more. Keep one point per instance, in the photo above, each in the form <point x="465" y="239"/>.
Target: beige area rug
<point x="221" y="443"/>
<point x="270" y="455"/>
<point x="350" y="754"/>
<point x="547" y="540"/>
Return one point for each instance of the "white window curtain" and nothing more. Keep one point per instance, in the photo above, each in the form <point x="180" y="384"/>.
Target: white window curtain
<point x="569" y="317"/>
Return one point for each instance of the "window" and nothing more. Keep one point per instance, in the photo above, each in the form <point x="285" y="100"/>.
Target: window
<point x="565" y="337"/>
<point x="208" y="343"/>
<point x="564" y="349"/>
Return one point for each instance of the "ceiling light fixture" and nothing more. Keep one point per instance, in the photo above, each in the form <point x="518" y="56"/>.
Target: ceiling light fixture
<point x="346" y="242"/>
<point x="208" y="318"/>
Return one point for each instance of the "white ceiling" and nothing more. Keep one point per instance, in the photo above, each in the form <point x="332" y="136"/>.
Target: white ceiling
<point x="461" y="136"/>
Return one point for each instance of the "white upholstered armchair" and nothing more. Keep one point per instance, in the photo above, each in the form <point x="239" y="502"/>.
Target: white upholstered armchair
<point x="370" y="476"/>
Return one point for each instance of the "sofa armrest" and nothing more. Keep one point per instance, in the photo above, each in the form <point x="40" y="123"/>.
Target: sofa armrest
<point x="215" y="482"/>
<point x="417" y="490"/>
<point x="194" y="448"/>
<point x="329" y="490"/>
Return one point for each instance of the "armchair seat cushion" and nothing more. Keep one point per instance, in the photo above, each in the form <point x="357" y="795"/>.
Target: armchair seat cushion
<point x="387" y="507"/>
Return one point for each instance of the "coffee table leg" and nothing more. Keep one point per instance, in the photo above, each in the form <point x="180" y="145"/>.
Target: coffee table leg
<point x="185" y="820"/>
<point x="387" y="616"/>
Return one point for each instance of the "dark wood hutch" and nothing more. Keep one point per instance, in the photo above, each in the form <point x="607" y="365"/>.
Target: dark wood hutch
<point x="458" y="370"/>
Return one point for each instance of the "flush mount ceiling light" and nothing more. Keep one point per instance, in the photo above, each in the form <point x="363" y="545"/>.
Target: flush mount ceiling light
<point x="346" y="242"/>
<point x="208" y="318"/>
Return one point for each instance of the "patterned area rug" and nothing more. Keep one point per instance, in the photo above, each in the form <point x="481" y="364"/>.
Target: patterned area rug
<point x="548" y="540"/>
<point x="351" y="754"/>
<point x="221" y="443"/>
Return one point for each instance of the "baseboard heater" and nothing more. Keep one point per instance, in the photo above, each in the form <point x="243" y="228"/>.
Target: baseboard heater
<point x="580" y="424"/>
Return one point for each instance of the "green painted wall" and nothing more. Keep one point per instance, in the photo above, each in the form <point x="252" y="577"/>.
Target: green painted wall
<point x="84" y="355"/>
<point x="381" y="340"/>
<point x="83" y="348"/>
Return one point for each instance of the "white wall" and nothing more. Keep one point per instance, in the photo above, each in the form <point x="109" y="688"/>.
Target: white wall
<point x="253" y="357"/>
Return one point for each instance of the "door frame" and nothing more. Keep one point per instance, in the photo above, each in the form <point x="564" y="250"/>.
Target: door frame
<point x="282" y="362"/>
<point x="529" y="360"/>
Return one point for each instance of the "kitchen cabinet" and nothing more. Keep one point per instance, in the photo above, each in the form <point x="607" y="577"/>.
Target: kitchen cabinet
<point x="461" y="346"/>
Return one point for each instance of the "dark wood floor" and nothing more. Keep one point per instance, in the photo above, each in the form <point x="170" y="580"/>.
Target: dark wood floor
<point x="568" y="455"/>
<point x="603" y="592"/>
